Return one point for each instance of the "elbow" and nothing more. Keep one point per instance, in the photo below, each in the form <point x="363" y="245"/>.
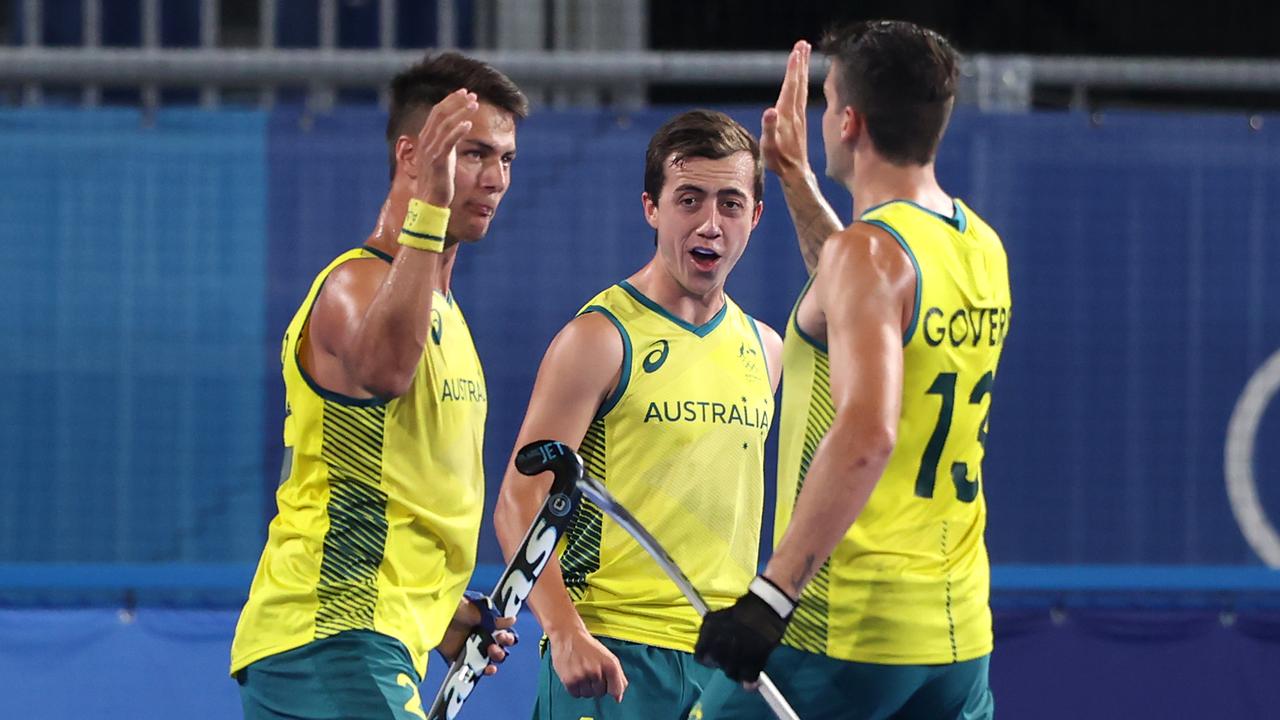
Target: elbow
<point x="877" y="448"/>
<point x="866" y="445"/>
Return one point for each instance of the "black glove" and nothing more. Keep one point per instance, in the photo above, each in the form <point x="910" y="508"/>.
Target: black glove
<point x="739" y="638"/>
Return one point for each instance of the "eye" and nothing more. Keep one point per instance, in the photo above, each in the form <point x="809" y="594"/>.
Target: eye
<point x="732" y="204"/>
<point x="687" y="201"/>
<point x="473" y="154"/>
<point x="508" y="159"/>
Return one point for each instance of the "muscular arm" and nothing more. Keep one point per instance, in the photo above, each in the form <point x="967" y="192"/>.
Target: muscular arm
<point x="865" y="287"/>
<point x="368" y="326"/>
<point x="785" y="147"/>
<point x="580" y="369"/>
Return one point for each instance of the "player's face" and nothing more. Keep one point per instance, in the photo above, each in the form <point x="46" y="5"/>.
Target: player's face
<point x="704" y="217"/>
<point x="483" y="172"/>
<point x="839" y="160"/>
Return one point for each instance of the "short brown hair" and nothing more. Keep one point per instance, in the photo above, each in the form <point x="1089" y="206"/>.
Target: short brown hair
<point x="699" y="133"/>
<point x="420" y="86"/>
<point x="903" y="78"/>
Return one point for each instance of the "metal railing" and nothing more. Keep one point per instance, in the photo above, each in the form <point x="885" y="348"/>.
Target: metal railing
<point x="993" y="82"/>
<point x="565" y="66"/>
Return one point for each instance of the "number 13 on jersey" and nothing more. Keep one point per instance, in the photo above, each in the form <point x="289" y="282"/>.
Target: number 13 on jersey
<point x="944" y="386"/>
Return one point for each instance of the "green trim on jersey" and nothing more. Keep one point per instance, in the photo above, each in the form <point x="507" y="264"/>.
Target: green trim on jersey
<point x="763" y="353"/>
<point x="625" y="377"/>
<point x="381" y="255"/>
<point x="795" y="320"/>
<point x="700" y="330"/>
<point x="915" y="307"/>
<point x="958" y="219"/>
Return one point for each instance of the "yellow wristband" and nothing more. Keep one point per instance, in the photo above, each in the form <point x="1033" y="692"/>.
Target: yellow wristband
<point x="424" y="226"/>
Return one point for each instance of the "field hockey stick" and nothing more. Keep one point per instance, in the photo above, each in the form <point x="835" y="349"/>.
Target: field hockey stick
<point x="517" y="579"/>
<point x="596" y="492"/>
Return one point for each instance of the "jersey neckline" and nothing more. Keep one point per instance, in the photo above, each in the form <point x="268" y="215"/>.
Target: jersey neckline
<point x="959" y="221"/>
<point x="700" y="330"/>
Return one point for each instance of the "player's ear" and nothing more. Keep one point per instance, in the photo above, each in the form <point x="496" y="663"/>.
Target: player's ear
<point x="755" y="214"/>
<point x="650" y="210"/>
<point x="404" y="156"/>
<point x="852" y="124"/>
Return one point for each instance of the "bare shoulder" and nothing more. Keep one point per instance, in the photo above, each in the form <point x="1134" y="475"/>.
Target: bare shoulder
<point x="868" y="252"/>
<point x="588" y="344"/>
<point x="346" y="295"/>
<point x="591" y="331"/>
<point x="581" y="367"/>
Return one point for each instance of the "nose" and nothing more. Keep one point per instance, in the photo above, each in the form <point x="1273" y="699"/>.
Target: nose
<point x="710" y="227"/>
<point x="495" y="176"/>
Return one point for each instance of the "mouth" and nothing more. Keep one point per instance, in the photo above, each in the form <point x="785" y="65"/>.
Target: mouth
<point x="481" y="209"/>
<point x="704" y="258"/>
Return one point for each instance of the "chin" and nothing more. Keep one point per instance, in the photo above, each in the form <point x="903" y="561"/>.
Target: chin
<point x="473" y="233"/>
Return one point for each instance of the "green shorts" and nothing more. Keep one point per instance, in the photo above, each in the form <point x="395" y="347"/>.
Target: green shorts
<point x="661" y="683"/>
<point x="821" y="687"/>
<point x="354" y="674"/>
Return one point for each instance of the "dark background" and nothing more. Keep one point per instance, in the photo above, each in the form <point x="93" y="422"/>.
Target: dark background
<point x="1231" y="29"/>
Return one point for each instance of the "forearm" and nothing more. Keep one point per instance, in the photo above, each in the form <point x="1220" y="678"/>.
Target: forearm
<point x="836" y="488"/>
<point x="812" y="215"/>
<point x="549" y="598"/>
<point x="387" y="347"/>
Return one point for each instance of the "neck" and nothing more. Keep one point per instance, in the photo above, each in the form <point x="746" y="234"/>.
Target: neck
<point x="877" y="181"/>
<point x="387" y="228"/>
<point x="657" y="284"/>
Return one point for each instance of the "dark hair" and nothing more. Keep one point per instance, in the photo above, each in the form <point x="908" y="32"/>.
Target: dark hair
<point x="699" y="133"/>
<point x="902" y="77"/>
<point x="420" y="86"/>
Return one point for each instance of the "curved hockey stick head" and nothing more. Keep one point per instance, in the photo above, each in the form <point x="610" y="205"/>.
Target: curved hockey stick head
<point x="543" y="455"/>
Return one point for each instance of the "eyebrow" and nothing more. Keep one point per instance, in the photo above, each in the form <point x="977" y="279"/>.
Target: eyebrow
<point x="689" y="187"/>
<point x="482" y="145"/>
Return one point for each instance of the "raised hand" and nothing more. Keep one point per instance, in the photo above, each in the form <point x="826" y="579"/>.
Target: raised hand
<point x="435" y="153"/>
<point x="783" y="137"/>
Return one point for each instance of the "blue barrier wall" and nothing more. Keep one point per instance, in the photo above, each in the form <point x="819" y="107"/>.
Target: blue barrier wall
<point x="132" y="263"/>
<point x="1103" y="664"/>
<point x="149" y="270"/>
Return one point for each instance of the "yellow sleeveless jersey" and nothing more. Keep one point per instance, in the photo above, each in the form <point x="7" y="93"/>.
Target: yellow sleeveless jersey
<point x="680" y="443"/>
<point x="380" y="509"/>
<point x="910" y="580"/>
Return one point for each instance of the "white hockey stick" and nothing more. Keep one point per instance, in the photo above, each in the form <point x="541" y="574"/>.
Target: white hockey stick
<point x="596" y="492"/>
<point x="526" y="565"/>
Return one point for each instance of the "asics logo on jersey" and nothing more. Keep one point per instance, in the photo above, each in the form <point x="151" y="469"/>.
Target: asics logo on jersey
<point x="437" y="326"/>
<point x="655" y="357"/>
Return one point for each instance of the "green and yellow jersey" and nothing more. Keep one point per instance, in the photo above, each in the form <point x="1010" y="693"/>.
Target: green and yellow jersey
<point x="380" y="509"/>
<point x="680" y="443"/>
<point x="909" y="582"/>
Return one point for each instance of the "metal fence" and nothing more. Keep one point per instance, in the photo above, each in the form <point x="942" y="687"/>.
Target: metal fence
<point x="566" y="52"/>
